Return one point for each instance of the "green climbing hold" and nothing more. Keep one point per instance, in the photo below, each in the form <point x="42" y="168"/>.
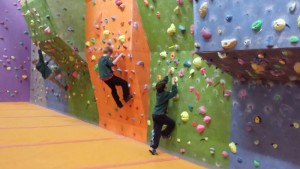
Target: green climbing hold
<point x="294" y="39"/>
<point x="256" y="164"/>
<point x="96" y="67"/>
<point x="277" y="98"/>
<point x="256" y="26"/>
<point x="93" y="40"/>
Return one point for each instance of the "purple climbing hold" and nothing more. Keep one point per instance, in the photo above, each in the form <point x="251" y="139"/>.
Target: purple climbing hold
<point x="205" y="33"/>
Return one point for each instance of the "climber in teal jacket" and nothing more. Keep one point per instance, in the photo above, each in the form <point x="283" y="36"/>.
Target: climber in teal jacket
<point x="159" y="114"/>
<point x="46" y="72"/>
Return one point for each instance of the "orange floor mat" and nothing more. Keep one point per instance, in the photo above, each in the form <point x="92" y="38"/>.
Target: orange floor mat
<point x="37" y="138"/>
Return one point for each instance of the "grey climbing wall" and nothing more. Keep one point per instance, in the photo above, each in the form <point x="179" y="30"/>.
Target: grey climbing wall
<point x="234" y="19"/>
<point x="273" y="139"/>
<point x="14" y="53"/>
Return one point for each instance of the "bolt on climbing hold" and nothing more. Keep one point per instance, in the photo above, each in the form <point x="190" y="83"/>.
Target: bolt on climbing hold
<point x="257" y="120"/>
<point x="171" y="30"/>
<point x="184" y="116"/>
<point x="232" y="147"/>
<point x="228" y="43"/>
<point x="200" y="128"/>
<point x="292" y="7"/>
<point x="203" y="9"/>
<point x="294" y="39"/>
<point x="205" y="33"/>
<point x="256" y="164"/>
<point x="256" y="26"/>
<point x="279" y="24"/>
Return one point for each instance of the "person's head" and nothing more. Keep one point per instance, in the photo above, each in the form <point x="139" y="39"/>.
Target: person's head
<point x="34" y="61"/>
<point x="108" y="51"/>
<point x="160" y="86"/>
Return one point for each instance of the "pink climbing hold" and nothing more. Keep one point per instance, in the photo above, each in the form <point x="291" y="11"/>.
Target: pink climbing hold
<point x="200" y="128"/>
<point x="225" y="154"/>
<point x="181" y="73"/>
<point x="179" y="2"/>
<point x="208" y="81"/>
<point x="192" y="88"/>
<point x="75" y="74"/>
<point x="192" y="29"/>
<point x="202" y="110"/>
<point x="205" y="33"/>
<point x="207" y="119"/>
<point x="118" y="2"/>
<point x="203" y="71"/>
<point x="47" y="30"/>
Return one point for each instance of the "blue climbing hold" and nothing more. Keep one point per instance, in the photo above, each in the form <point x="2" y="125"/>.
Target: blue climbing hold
<point x="228" y="18"/>
<point x="270" y="42"/>
<point x="239" y="160"/>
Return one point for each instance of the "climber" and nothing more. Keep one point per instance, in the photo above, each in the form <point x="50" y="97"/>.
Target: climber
<point x="46" y="72"/>
<point x="159" y="114"/>
<point x="105" y="63"/>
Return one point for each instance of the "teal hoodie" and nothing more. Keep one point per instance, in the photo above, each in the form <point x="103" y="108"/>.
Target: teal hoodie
<point x="105" y="64"/>
<point x="162" y="99"/>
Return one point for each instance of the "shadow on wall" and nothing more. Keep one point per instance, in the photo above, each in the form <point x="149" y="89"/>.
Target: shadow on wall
<point x="265" y="125"/>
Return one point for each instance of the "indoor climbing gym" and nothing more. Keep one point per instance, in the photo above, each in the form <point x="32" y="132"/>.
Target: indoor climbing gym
<point x="149" y="84"/>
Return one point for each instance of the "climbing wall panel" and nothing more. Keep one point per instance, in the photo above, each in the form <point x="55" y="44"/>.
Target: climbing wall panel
<point x="14" y="53"/>
<point x="131" y="120"/>
<point x="53" y="24"/>
<point x="265" y="125"/>
<point x="204" y="92"/>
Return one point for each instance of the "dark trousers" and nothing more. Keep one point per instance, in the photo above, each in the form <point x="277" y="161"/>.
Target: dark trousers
<point x="116" y="81"/>
<point x="158" y="122"/>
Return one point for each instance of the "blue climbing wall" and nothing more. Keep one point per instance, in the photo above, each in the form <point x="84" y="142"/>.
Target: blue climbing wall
<point x="278" y="107"/>
<point x="233" y="19"/>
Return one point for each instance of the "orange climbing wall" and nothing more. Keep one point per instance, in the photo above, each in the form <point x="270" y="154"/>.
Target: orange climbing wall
<point x="131" y="120"/>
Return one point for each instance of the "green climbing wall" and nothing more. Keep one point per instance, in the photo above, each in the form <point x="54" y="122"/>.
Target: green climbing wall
<point x="65" y="45"/>
<point x="185" y="138"/>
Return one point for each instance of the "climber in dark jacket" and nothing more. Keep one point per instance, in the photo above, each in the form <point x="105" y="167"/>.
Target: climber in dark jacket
<point x="46" y="72"/>
<point x="159" y="114"/>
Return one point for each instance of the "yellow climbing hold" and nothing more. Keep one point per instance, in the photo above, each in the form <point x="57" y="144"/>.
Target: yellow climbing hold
<point x="192" y="71"/>
<point x="176" y="10"/>
<point x="8" y="68"/>
<point x="172" y="70"/>
<point x="275" y="146"/>
<point x="93" y="58"/>
<point x="197" y="62"/>
<point x="24" y="76"/>
<point x="87" y="44"/>
<point x="297" y="67"/>
<point x="296" y="125"/>
<point x="259" y="69"/>
<point x="232" y="147"/>
<point x="171" y="30"/>
<point x="71" y="58"/>
<point x="163" y="54"/>
<point x="228" y="43"/>
<point x="203" y="9"/>
<point x="178" y="140"/>
<point x="149" y="123"/>
<point x="106" y="33"/>
<point x="184" y="116"/>
<point x="298" y="21"/>
<point x="279" y="24"/>
<point x="122" y="38"/>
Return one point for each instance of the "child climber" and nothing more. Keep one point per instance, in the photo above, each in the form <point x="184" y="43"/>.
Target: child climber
<point x="106" y="74"/>
<point x="46" y="72"/>
<point x="159" y="114"/>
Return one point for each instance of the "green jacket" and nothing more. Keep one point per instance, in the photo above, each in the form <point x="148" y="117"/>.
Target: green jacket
<point x="105" y="64"/>
<point x="42" y="67"/>
<point x="162" y="99"/>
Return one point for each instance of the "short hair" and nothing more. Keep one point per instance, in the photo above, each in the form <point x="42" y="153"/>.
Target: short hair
<point x="160" y="86"/>
<point x="107" y="50"/>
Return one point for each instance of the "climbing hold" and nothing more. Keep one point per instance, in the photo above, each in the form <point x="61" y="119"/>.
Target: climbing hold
<point x="207" y="119"/>
<point x="297" y="67"/>
<point x="228" y="43"/>
<point x="270" y="41"/>
<point x="239" y="160"/>
<point x="106" y="33"/>
<point x="191" y="108"/>
<point x="194" y="123"/>
<point x="203" y="9"/>
<point x="259" y="69"/>
<point x="256" y="142"/>
<point x="292" y="7"/>
<point x="122" y="38"/>
<point x="196" y="45"/>
<point x="205" y="33"/>
<point x="298" y="21"/>
<point x="197" y="62"/>
<point x="93" y="40"/>
<point x="277" y="98"/>
<point x="187" y="64"/>
<point x="275" y="146"/>
<point x="202" y="110"/>
<point x="178" y="140"/>
<point x="163" y="54"/>
<point x="200" y="128"/>
<point x="192" y="28"/>
<point x="189" y="143"/>
<point x="149" y="122"/>
<point x="228" y="18"/>
<point x="47" y="30"/>
<point x="96" y="67"/>
<point x="176" y="10"/>
<point x="295" y="125"/>
<point x="181" y="28"/>
<point x="158" y="15"/>
<point x="208" y="82"/>
<point x="87" y="44"/>
<point x="247" y="42"/>
<point x="279" y="24"/>
<point x="181" y="73"/>
<point x="24" y="77"/>
<point x="256" y="164"/>
<point x="140" y="63"/>
<point x="256" y="26"/>
<point x="179" y="2"/>
<point x="257" y="120"/>
<point x="294" y="39"/>
<point x="184" y="116"/>
<point x="191" y="88"/>
<point x="225" y="154"/>
<point x="146" y="3"/>
<point x="203" y="71"/>
<point x="192" y="71"/>
<point x="182" y="150"/>
<point x="233" y="147"/>
<point x="171" y="30"/>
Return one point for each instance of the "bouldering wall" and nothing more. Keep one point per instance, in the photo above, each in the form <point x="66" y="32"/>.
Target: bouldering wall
<point x="60" y="30"/>
<point x="240" y="38"/>
<point x="265" y="125"/>
<point x="120" y="28"/>
<point x="14" y="53"/>
<point x="204" y="92"/>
